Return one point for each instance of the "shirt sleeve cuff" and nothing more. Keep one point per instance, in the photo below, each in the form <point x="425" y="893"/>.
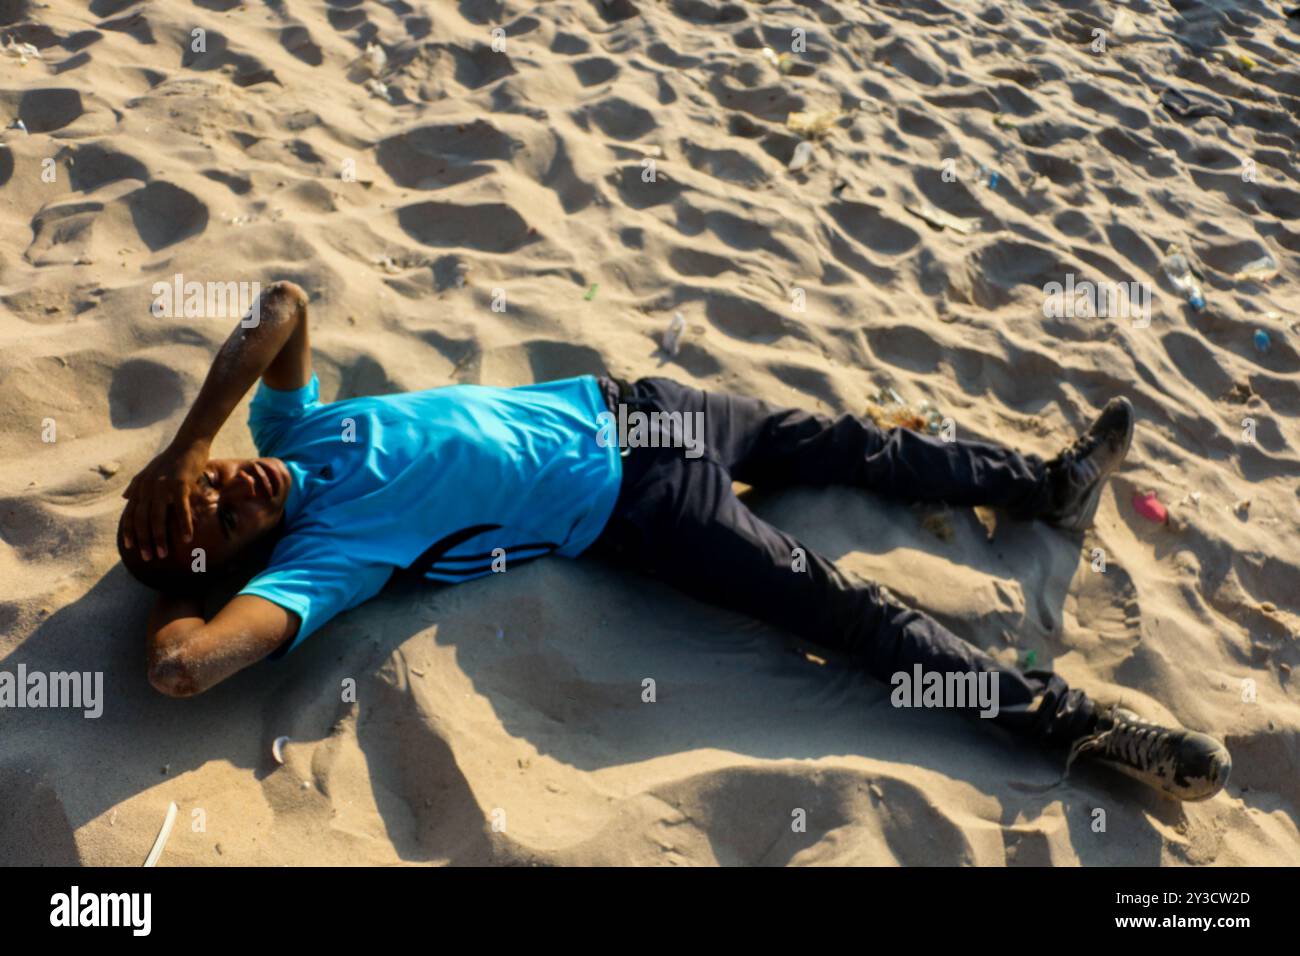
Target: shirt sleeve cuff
<point x="277" y="400"/>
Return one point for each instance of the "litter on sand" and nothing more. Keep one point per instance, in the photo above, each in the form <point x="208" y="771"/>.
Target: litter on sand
<point x="163" y="834"/>
<point x="933" y="417"/>
<point x="1178" y="271"/>
<point x="22" y="52"/>
<point x="888" y="410"/>
<point x="277" y="749"/>
<point x="376" y="59"/>
<point x="1194" y="103"/>
<point x="782" y="61"/>
<point x="591" y="293"/>
<point x="803" y="154"/>
<point x="813" y="124"/>
<point x="673" y="335"/>
<point x="1237" y="58"/>
<point x="1265" y="267"/>
<point x="940" y="219"/>
<point x="1148" y="506"/>
<point x="369" y="65"/>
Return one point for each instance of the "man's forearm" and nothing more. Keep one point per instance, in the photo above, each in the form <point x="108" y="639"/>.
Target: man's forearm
<point x="172" y="621"/>
<point x="245" y="356"/>
<point x="188" y="655"/>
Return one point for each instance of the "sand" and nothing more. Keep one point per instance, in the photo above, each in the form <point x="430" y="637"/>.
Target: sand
<point x="409" y="193"/>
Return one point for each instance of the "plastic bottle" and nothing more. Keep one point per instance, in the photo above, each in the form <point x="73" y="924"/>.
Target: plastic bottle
<point x="1178" y="272"/>
<point x="1265" y="267"/>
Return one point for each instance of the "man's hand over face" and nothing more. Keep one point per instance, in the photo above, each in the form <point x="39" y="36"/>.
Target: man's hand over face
<point x="166" y="483"/>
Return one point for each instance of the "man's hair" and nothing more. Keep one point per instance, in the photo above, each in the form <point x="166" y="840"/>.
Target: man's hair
<point x="173" y="574"/>
<point x="168" y="575"/>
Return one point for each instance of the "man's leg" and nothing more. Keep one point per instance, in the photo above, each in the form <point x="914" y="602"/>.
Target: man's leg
<point x="680" y="519"/>
<point x="766" y="446"/>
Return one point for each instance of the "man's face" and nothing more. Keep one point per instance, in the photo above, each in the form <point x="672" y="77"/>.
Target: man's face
<point x="237" y="501"/>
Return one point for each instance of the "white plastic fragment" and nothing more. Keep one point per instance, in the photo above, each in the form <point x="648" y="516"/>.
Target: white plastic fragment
<point x="803" y="154"/>
<point x="163" y="834"/>
<point x="781" y="61"/>
<point x="1265" y="267"/>
<point x="277" y="749"/>
<point x="937" y="217"/>
<point x="20" y="51"/>
<point x="673" y="335"/>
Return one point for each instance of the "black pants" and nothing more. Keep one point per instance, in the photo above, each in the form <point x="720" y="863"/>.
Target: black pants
<point x="678" y="518"/>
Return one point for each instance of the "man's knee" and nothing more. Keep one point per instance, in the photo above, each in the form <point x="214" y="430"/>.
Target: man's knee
<point x="285" y="296"/>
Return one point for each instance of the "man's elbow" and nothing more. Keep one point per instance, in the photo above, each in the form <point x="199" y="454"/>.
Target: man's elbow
<point x="284" y="298"/>
<point x="174" y="677"/>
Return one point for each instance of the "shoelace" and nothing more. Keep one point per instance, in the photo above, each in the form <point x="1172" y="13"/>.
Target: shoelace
<point x="1137" y="743"/>
<point x="1082" y="447"/>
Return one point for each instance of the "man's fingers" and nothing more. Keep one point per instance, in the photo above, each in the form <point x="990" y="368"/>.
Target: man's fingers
<point x="140" y="522"/>
<point x="158" y="523"/>
<point x="128" y="524"/>
<point x="145" y="521"/>
<point x="184" y="517"/>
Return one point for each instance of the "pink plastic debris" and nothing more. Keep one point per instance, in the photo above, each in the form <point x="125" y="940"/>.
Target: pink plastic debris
<point x="1149" y="507"/>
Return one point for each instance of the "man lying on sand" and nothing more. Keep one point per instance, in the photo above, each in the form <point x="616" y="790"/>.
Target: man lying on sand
<point x="453" y="483"/>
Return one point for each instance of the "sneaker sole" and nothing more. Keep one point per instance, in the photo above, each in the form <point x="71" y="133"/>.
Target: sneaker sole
<point x="1093" y="501"/>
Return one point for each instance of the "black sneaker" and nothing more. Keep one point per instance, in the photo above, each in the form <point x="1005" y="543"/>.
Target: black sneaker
<point x="1078" y="473"/>
<point x="1182" y="764"/>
